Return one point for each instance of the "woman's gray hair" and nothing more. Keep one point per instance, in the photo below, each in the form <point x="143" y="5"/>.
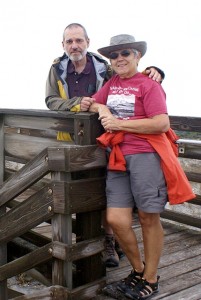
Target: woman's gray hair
<point x="135" y="51"/>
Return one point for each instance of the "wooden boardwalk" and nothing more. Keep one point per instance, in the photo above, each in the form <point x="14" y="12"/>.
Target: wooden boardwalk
<point x="179" y="269"/>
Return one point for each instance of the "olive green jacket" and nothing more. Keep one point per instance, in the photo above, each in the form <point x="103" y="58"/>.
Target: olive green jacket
<point x="57" y="96"/>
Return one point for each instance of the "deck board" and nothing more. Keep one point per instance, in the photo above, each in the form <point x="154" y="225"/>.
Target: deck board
<point x="179" y="268"/>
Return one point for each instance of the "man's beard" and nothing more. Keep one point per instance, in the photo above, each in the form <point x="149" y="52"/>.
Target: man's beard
<point x="78" y="57"/>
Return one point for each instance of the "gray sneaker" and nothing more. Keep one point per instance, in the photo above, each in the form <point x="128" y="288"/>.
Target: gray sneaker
<point x="109" y="255"/>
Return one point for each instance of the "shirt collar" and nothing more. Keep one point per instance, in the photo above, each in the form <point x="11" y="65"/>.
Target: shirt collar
<point x="87" y="69"/>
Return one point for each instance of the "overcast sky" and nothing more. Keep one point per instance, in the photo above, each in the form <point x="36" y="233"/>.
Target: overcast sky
<point x="31" y="35"/>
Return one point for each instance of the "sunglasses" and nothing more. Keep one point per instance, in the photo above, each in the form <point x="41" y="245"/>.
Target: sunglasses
<point x="124" y="53"/>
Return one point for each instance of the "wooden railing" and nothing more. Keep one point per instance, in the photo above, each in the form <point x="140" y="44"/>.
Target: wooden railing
<point x="188" y="213"/>
<point x="45" y="180"/>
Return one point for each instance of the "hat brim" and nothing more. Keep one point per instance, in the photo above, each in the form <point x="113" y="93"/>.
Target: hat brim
<point x="139" y="46"/>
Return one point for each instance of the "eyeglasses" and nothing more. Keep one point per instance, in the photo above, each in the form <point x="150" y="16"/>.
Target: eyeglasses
<point x="124" y="53"/>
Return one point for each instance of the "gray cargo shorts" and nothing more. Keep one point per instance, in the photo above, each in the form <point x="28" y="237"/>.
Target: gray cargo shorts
<point x="142" y="185"/>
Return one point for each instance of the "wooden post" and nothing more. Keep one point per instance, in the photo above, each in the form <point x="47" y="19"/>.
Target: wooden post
<point x="3" y="248"/>
<point x="62" y="232"/>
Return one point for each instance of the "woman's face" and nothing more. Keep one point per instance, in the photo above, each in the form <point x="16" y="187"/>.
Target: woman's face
<point x="124" y="62"/>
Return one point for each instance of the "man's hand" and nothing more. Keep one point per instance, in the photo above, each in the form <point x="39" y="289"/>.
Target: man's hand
<point x="154" y="74"/>
<point x="86" y="103"/>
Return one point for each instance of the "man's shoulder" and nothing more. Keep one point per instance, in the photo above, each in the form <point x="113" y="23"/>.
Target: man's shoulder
<point x="98" y="57"/>
<point x="59" y="59"/>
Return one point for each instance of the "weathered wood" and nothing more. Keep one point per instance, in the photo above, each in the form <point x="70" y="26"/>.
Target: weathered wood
<point x="29" y="132"/>
<point x="88" y="226"/>
<point x="3" y="247"/>
<point x="80" y="195"/>
<point x="25" y="177"/>
<point x="195" y="177"/>
<point x="181" y="218"/>
<point x="53" y="292"/>
<point x="179" y="267"/>
<point x="196" y="201"/>
<point x="87" y="291"/>
<point x="77" y="251"/>
<point x="192" y="293"/>
<point x="84" y="126"/>
<point x="27" y="147"/>
<point x="37" y="123"/>
<point x="26" y="262"/>
<point x="190" y="150"/>
<point x="185" y="123"/>
<point x="76" y="158"/>
<point x="13" y="294"/>
<point x="62" y="232"/>
<point x="2" y="160"/>
<point x="35" y="210"/>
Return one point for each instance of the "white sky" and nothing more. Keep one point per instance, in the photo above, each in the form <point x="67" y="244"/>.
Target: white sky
<point x="31" y="34"/>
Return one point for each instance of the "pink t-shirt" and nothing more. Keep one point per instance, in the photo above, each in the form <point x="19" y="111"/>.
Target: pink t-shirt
<point x="132" y="98"/>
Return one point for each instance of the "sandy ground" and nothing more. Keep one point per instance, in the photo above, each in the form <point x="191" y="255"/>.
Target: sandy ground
<point x="24" y="284"/>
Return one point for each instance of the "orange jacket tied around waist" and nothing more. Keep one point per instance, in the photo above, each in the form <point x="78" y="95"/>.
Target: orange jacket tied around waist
<point x="178" y="186"/>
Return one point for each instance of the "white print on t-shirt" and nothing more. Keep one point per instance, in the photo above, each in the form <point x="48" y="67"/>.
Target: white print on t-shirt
<point x="121" y="105"/>
<point x="120" y="90"/>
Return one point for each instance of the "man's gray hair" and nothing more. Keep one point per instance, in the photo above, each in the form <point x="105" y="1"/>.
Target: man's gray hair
<point x="74" y="25"/>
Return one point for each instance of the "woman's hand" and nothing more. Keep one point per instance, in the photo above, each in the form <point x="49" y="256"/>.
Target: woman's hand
<point x="109" y="122"/>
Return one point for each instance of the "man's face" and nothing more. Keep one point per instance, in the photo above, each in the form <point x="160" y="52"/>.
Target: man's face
<point x="75" y="43"/>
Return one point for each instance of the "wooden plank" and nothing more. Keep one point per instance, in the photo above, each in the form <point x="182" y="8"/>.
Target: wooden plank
<point x="79" y="250"/>
<point x="53" y="292"/>
<point x="196" y="201"/>
<point x="85" y="126"/>
<point x="26" y="262"/>
<point x="184" y="123"/>
<point x="62" y="271"/>
<point x="33" y="171"/>
<point x="86" y="131"/>
<point x="190" y="151"/>
<point x="32" y="132"/>
<point x="76" y="158"/>
<point x="192" y="176"/>
<point x="88" y="225"/>
<point x="181" y="218"/>
<point x="80" y="195"/>
<point x="36" y="122"/>
<point x="2" y="162"/>
<point x="87" y="291"/>
<point x="192" y="293"/>
<point x="3" y="247"/>
<point x="13" y="293"/>
<point x="179" y="283"/>
<point x="27" y="147"/>
<point x="46" y="113"/>
<point x="182" y="247"/>
<point x="28" y="214"/>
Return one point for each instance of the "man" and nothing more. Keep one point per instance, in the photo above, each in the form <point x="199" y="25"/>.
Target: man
<point x="75" y="75"/>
